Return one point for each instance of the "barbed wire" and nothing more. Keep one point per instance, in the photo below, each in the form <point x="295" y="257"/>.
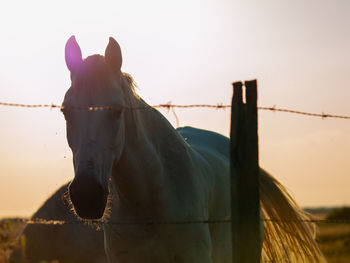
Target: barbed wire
<point x="20" y="105"/>
<point x="321" y="115"/>
<point x="40" y="221"/>
<point x="170" y="106"/>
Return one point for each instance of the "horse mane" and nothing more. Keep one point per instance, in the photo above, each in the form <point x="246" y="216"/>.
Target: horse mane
<point x="133" y="100"/>
<point x="131" y="83"/>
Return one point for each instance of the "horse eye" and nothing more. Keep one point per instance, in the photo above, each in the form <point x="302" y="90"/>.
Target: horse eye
<point x="66" y="113"/>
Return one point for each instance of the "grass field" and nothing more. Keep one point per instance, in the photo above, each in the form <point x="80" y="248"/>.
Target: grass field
<point x="9" y="231"/>
<point x="333" y="239"/>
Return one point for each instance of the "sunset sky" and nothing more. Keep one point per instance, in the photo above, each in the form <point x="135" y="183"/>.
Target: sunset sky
<point x="186" y="52"/>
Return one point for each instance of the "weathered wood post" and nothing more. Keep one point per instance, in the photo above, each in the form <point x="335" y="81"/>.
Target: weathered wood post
<point x="245" y="175"/>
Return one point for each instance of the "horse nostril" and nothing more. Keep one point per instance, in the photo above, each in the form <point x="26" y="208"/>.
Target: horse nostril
<point x="88" y="197"/>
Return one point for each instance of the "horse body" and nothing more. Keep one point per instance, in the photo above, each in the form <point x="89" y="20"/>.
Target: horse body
<point x="158" y="175"/>
<point x="212" y="151"/>
<point x="170" y="181"/>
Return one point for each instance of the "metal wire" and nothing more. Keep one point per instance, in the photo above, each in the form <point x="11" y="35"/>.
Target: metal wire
<point x="40" y="221"/>
<point x="29" y="105"/>
<point x="169" y="106"/>
<point x="322" y="115"/>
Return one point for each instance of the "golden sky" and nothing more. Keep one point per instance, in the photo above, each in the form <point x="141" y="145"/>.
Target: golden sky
<point x="186" y="52"/>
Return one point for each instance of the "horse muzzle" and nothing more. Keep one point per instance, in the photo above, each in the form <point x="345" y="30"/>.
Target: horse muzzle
<point x="88" y="196"/>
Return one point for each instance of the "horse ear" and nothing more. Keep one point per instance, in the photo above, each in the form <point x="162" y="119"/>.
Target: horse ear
<point x="73" y="54"/>
<point x="113" y="55"/>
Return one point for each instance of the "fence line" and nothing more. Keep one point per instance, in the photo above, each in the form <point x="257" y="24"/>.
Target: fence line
<point x="40" y="221"/>
<point x="170" y="106"/>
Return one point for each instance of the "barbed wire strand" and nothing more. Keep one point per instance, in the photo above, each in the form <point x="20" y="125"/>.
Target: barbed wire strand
<point x="40" y="221"/>
<point x="170" y="106"/>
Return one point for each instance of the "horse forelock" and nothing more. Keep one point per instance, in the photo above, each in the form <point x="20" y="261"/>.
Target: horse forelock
<point x="91" y="76"/>
<point x="94" y="69"/>
<point x="95" y="76"/>
<point x="94" y="63"/>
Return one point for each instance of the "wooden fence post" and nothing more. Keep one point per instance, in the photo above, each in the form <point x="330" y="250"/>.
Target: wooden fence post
<point x="245" y="206"/>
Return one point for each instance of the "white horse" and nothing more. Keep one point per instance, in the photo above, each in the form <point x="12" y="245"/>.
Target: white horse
<point x="160" y="175"/>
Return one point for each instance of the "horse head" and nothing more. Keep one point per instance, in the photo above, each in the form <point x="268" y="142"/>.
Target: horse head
<point x="94" y="111"/>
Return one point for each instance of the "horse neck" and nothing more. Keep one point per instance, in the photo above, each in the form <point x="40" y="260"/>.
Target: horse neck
<point x="140" y="174"/>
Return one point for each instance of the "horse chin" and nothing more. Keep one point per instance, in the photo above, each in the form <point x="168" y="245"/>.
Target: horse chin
<point x="89" y="200"/>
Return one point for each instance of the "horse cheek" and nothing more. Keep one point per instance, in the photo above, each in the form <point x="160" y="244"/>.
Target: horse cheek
<point x="119" y="142"/>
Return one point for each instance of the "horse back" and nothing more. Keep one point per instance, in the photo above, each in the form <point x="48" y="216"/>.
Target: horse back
<point x="212" y="151"/>
<point x="203" y="140"/>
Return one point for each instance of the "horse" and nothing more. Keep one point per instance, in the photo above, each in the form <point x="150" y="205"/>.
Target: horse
<point x="68" y="243"/>
<point x="168" y="185"/>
